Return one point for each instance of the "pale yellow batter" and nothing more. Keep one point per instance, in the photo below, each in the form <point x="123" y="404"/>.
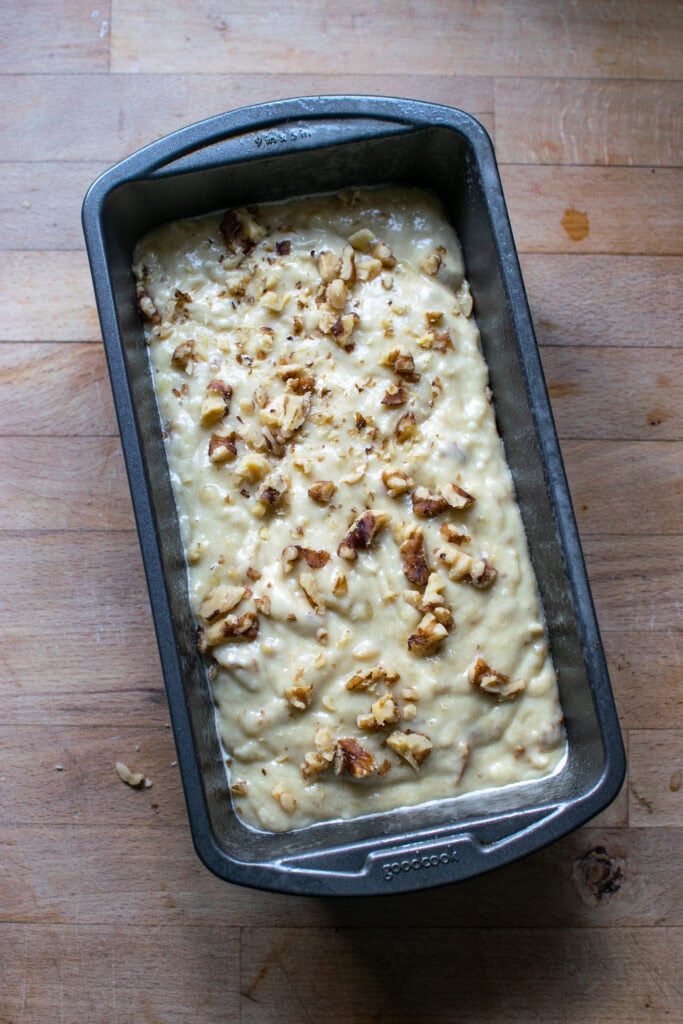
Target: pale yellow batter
<point x="356" y="559"/>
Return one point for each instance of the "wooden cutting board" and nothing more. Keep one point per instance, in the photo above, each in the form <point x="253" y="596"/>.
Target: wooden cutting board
<point x="106" y="915"/>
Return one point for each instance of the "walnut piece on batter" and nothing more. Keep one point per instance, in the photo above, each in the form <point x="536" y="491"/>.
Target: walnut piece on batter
<point x="414" y="557"/>
<point x="428" y="635"/>
<point x="490" y="681"/>
<point x="413" y="747"/>
<point x="351" y="757"/>
<point x="362" y="533"/>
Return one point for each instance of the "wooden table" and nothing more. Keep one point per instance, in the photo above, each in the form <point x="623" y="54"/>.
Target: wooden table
<point x="106" y="913"/>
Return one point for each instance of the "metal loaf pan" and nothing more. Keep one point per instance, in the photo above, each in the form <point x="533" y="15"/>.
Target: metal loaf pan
<point x="297" y="147"/>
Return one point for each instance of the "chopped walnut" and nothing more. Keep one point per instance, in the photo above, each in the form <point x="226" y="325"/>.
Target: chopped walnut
<point x="433" y="317"/>
<point x="147" y="307"/>
<point x="252" y="467"/>
<point x="433" y="594"/>
<point x="395" y="394"/>
<point x="385" y="710"/>
<point x="240" y="228"/>
<point x="406" y="428"/>
<point x="340" y="587"/>
<point x="351" y="757"/>
<point x="301" y="385"/>
<point x="426" y="504"/>
<point x="430" y="264"/>
<point x="362" y="533"/>
<point x="368" y="680"/>
<point x="322" y="491"/>
<point x="184" y="356"/>
<point x="368" y="268"/>
<point x="414" y="557"/>
<point x="413" y="747"/>
<point x="440" y="340"/>
<point x="313" y="559"/>
<point x="482" y="574"/>
<point x="453" y="534"/>
<point x="456" y="497"/>
<point x="309" y="586"/>
<point x="396" y="481"/>
<point x="290" y="555"/>
<point x="213" y="409"/>
<point x="133" y="779"/>
<point x="343" y="327"/>
<point x="362" y="240"/>
<point x="262" y="604"/>
<point x="402" y="363"/>
<point x="219" y="601"/>
<point x="328" y="266"/>
<point x="232" y="629"/>
<point x="490" y="681"/>
<point x="463" y="568"/>
<point x="289" y="371"/>
<point x="444" y="616"/>
<point x="286" y="800"/>
<point x="322" y="757"/>
<point x="286" y="414"/>
<point x="382" y="252"/>
<point x="239" y="787"/>
<point x="222" y="447"/>
<point x="273" y="490"/>
<point x="404" y="366"/>
<point x="335" y="294"/>
<point x="410" y="693"/>
<point x="428" y="635"/>
<point x="347" y="271"/>
<point x="459" y="563"/>
<point x="299" y="697"/>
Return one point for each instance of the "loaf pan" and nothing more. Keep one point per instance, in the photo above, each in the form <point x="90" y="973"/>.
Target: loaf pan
<point x="296" y="147"/>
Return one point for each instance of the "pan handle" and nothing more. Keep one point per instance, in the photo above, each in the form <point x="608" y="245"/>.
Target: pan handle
<point x="282" y="125"/>
<point x="448" y="855"/>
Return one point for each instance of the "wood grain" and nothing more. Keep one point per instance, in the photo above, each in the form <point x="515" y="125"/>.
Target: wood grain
<point x="70" y="315"/>
<point x="133" y="110"/>
<point x="600" y="301"/>
<point x="118" y="974"/>
<point x="579" y="121"/>
<point x="628" y="210"/>
<point x="636" y="583"/>
<point x="55" y="390"/>
<point x="106" y="913"/>
<point x="59" y="483"/>
<point x="606" y="393"/>
<point x="503" y="977"/>
<point x="656" y="779"/>
<point x="610" y="40"/>
<point x="67" y="36"/>
<point x="153" y="878"/>
<point x="646" y="486"/>
<point x="644" y="667"/>
<point x="40" y="203"/>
